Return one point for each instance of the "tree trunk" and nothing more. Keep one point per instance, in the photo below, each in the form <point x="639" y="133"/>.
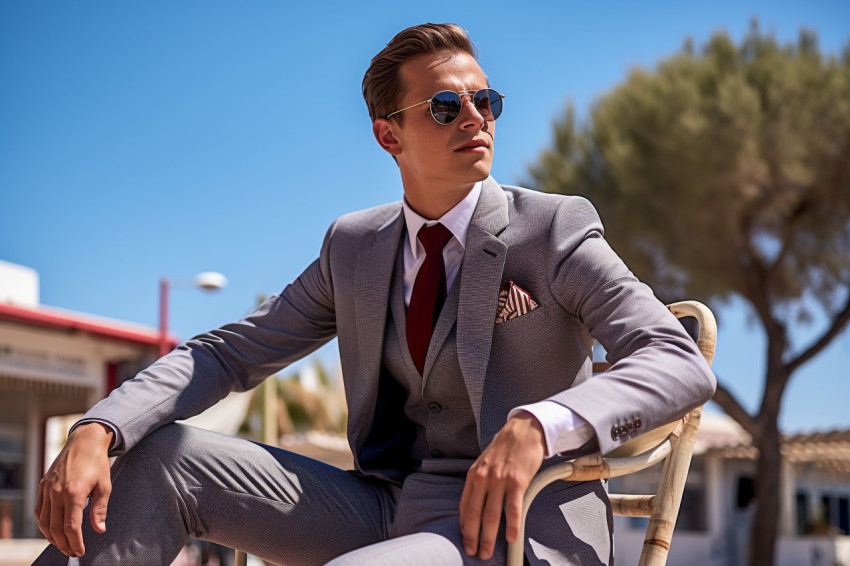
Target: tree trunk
<point x="765" y="528"/>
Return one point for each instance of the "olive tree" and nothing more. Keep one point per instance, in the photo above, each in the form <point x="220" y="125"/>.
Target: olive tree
<point x="725" y="172"/>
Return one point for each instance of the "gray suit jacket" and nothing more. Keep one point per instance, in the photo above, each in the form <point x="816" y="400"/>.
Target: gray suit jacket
<point x="551" y="246"/>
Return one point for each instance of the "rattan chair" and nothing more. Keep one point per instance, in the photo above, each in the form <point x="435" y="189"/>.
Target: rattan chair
<point x="673" y="443"/>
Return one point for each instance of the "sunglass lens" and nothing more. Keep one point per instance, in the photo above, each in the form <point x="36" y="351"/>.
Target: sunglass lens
<point x="445" y="107"/>
<point x="489" y="103"/>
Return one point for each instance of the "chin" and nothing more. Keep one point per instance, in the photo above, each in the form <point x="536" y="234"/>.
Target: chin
<point x="481" y="171"/>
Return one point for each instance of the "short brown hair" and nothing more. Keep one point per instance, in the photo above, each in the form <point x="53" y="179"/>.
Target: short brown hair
<point x="381" y="85"/>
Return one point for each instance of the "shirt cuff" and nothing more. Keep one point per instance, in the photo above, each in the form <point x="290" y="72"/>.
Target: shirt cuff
<point x="562" y="428"/>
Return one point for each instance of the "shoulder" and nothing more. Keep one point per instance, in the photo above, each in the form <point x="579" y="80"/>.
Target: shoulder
<point x="528" y="199"/>
<point x="366" y="221"/>
<point x="373" y="218"/>
<point x="561" y="213"/>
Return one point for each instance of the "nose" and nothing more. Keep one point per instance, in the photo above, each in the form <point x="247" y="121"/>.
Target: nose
<point x="470" y="116"/>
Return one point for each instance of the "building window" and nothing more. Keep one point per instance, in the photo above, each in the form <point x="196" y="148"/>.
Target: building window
<point x="746" y="492"/>
<point x="801" y="512"/>
<point x="844" y="515"/>
<point x="11" y="480"/>
<point x="692" y="513"/>
<point x="830" y="517"/>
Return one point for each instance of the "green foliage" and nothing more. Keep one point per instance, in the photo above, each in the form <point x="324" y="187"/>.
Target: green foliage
<point x="301" y="417"/>
<point x="721" y="172"/>
<point x="301" y="406"/>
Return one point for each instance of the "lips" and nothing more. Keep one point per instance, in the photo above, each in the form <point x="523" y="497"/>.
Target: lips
<point x="474" y="145"/>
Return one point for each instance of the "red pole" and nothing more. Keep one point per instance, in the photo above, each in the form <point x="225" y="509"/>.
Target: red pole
<point x="163" y="316"/>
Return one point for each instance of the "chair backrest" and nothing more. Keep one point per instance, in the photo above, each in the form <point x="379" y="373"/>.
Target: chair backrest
<point x="673" y="443"/>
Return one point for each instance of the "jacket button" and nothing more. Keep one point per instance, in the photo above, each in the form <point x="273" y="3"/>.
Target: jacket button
<point x="436" y="454"/>
<point x="434" y="407"/>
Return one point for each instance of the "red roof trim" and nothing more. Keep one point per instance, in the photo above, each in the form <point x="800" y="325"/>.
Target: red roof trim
<point x="63" y="320"/>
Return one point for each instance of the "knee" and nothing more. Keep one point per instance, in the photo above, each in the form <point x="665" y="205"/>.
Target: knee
<point x="418" y="548"/>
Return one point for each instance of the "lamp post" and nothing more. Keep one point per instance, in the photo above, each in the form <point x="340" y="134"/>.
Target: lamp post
<point x="208" y="280"/>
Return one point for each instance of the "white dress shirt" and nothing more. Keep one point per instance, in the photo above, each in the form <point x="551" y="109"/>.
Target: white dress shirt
<point x="564" y="430"/>
<point x="456" y="220"/>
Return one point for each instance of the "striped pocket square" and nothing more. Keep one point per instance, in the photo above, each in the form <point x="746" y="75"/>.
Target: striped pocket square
<point x="513" y="302"/>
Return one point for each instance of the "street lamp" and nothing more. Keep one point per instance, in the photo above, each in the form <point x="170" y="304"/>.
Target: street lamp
<point x="208" y="280"/>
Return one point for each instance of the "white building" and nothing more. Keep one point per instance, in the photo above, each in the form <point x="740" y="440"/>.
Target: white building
<point x="717" y="506"/>
<point x="52" y="362"/>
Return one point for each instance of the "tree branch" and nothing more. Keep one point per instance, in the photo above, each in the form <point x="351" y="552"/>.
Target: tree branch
<point x="733" y="408"/>
<point x="755" y="276"/>
<point x="838" y="323"/>
<point x="789" y="232"/>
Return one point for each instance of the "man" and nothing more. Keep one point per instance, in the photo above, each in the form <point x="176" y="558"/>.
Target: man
<point x="465" y="317"/>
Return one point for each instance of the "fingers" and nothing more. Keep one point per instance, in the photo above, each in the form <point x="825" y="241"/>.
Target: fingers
<point x="99" y="502"/>
<point x="490" y="519"/>
<point x="471" y="504"/>
<point x="59" y="515"/>
<point x="481" y="511"/>
<point x="63" y="519"/>
<point x="42" y="512"/>
<point x="513" y="513"/>
<point x="73" y="528"/>
<point x="55" y="522"/>
<point x="39" y="503"/>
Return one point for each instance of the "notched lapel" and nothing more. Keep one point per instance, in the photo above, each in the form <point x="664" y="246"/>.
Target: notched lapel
<point x="481" y="277"/>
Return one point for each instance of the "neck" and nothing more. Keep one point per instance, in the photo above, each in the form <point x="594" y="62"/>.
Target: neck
<point x="432" y="202"/>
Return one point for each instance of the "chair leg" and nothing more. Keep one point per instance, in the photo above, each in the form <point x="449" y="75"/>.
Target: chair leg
<point x="240" y="559"/>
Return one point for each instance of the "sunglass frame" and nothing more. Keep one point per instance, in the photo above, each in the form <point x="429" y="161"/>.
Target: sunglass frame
<point x="471" y="93"/>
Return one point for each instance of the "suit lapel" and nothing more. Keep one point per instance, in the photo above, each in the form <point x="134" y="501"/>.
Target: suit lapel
<point x="480" y="280"/>
<point x="374" y="274"/>
<point x="445" y="322"/>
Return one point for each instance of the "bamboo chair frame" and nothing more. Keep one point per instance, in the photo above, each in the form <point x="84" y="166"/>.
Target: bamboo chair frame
<point x="673" y="443"/>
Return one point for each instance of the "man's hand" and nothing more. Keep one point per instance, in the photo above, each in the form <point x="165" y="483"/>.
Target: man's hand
<point x="80" y="470"/>
<point x="501" y="473"/>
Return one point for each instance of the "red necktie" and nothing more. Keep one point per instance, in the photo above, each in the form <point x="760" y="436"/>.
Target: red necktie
<point x="429" y="292"/>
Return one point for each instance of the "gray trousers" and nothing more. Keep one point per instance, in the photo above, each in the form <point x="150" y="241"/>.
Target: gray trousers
<point x="183" y="482"/>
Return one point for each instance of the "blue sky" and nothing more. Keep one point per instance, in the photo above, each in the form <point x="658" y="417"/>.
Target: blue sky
<point x="149" y="139"/>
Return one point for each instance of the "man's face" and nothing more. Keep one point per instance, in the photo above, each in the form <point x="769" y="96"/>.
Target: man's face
<point x="436" y="155"/>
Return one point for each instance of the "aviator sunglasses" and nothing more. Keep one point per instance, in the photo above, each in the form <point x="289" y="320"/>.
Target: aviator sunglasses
<point x="445" y="106"/>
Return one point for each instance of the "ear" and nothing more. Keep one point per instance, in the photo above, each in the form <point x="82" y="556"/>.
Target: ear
<point x="383" y="131"/>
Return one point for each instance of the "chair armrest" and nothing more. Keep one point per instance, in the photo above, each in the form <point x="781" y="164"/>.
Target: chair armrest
<point x="587" y="468"/>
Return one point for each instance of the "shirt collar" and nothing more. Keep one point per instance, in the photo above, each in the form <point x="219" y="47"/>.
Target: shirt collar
<point x="457" y="220"/>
